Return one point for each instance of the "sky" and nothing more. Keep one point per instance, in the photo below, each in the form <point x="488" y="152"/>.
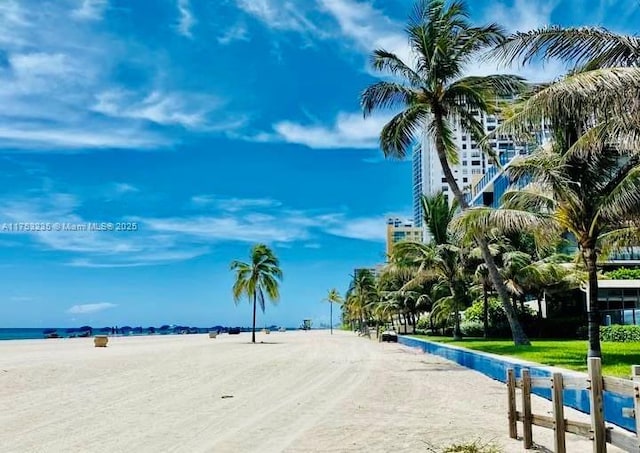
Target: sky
<point x="208" y="126"/>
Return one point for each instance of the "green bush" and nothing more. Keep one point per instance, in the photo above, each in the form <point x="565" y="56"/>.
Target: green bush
<point x="475" y="312"/>
<point x="472" y="328"/>
<point x="498" y="323"/>
<point x="620" y="334"/>
<point x="623" y="274"/>
<point x="423" y="323"/>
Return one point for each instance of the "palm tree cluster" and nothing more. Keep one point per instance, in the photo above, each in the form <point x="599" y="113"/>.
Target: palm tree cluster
<point x="438" y="280"/>
<point x="582" y="184"/>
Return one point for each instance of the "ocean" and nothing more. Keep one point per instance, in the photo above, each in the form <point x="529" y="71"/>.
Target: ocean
<point x="37" y="333"/>
<point x="24" y="333"/>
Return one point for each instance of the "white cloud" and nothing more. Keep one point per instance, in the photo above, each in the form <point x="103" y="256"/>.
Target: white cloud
<point x="90" y="308"/>
<point x="368" y="28"/>
<point x="186" y="20"/>
<point x="161" y="240"/>
<point x="349" y="130"/>
<point x="185" y="109"/>
<point x="123" y="187"/>
<point x="366" y="229"/>
<point x="34" y="138"/>
<point x="278" y="15"/>
<point x="90" y="10"/>
<point x="58" y="94"/>
<point x="237" y="32"/>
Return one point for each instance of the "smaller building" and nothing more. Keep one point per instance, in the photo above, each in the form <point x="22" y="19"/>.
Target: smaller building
<point x="401" y="230"/>
<point x="619" y="301"/>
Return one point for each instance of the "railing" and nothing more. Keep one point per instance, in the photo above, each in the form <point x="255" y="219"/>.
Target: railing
<point x="492" y="174"/>
<point x="596" y="430"/>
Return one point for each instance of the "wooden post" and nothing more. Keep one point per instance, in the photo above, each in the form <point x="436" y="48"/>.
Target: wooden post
<point x="527" y="433"/>
<point x="635" y="375"/>
<point x="511" y="404"/>
<point x="595" y="405"/>
<point x="558" y="414"/>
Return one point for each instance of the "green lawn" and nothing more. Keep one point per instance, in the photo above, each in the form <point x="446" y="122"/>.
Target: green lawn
<point x="617" y="358"/>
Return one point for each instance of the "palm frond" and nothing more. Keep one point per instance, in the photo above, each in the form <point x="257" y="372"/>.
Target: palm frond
<point x="580" y="45"/>
<point x="400" y="132"/>
<point x="386" y="95"/>
<point x="478" y="220"/>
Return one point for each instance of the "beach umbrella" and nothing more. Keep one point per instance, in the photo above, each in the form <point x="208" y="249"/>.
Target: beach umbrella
<point x="137" y="329"/>
<point x="85" y="328"/>
<point x="151" y="329"/>
<point x="164" y="327"/>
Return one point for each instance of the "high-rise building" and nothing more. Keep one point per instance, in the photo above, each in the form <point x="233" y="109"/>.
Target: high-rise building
<point x="401" y="230"/>
<point x="478" y="177"/>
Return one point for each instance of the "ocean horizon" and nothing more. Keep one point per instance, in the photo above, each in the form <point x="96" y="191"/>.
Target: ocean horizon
<point x="37" y="333"/>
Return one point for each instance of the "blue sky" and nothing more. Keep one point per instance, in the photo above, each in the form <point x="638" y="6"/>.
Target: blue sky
<point x="211" y="125"/>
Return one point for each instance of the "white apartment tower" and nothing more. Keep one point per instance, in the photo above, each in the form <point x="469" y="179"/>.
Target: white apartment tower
<point x="428" y="177"/>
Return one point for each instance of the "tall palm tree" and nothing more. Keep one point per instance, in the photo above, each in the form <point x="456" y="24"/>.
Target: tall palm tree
<point x="333" y="297"/>
<point x="435" y="97"/>
<point x="257" y="279"/>
<point x="362" y="291"/>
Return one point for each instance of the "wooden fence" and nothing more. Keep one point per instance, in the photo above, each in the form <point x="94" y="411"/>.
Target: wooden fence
<point x="596" y="430"/>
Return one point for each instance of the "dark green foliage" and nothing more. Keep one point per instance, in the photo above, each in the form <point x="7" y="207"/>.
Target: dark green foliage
<point x="620" y="334"/>
<point x="498" y="323"/>
<point x="623" y="274"/>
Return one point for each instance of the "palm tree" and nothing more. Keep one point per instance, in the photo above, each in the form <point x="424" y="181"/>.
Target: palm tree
<point x="257" y="279"/>
<point x="362" y="291"/>
<point x="435" y="97"/>
<point x="333" y="297"/>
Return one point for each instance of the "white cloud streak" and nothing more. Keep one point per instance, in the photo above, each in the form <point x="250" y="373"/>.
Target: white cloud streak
<point x="186" y="20"/>
<point x="58" y="95"/>
<point x="161" y="240"/>
<point x="90" y="10"/>
<point x="349" y="130"/>
<point x="84" y="309"/>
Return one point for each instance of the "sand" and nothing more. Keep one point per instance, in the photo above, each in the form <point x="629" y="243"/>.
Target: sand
<point x="298" y="392"/>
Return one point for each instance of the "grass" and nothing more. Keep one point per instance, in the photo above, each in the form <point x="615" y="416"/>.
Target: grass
<point x="617" y="358"/>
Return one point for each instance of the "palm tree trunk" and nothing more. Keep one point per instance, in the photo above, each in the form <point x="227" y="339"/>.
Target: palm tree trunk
<point x="331" y="317"/>
<point x="540" y="296"/>
<point x="485" y="311"/>
<point x="253" y="330"/>
<point x="457" y="333"/>
<point x="519" y="337"/>
<point x="593" y="308"/>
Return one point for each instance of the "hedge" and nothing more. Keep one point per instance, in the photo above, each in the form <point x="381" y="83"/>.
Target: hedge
<point x="620" y="334"/>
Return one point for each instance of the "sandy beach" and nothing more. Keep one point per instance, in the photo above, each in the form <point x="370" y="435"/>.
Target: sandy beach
<point x="297" y="392"/>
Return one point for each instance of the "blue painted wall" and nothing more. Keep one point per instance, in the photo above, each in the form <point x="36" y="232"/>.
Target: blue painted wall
<point x="496" y="368"/>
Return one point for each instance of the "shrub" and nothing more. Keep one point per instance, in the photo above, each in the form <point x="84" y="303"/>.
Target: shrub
<point x="498" y="323"/>
<point x="472" y="328"/>
<point x="423" y="323"/>
<point x="620" y="334"/>
<point x="623" y="274"/>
